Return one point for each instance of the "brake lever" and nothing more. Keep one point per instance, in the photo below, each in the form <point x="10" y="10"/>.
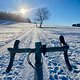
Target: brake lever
<point x="12" y="56"/>
<point x="62" y="40"/>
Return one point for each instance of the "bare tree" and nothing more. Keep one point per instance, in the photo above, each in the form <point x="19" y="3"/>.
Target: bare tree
<point x="41" y="15"/>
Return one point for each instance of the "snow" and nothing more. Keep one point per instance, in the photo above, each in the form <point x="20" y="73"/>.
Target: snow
<point x="54" y="67"/>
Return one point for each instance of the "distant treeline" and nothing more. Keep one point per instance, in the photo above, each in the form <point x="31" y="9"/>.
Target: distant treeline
<point x="13" y="17"/>
<point x="76" y="25"/>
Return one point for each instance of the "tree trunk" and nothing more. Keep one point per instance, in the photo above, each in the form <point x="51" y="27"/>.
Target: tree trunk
<point x="41" y="24"/>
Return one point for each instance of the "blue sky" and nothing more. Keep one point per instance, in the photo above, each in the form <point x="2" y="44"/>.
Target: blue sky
<point x="63" y="12"/>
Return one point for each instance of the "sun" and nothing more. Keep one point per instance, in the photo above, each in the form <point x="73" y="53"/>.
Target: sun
<point x="23" y="11"/>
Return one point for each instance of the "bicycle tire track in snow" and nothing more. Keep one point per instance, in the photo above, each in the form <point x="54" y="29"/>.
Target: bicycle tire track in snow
<point x="5" y="54"/>
<point x="10" y="44"/>
<point x="30" y="72"/>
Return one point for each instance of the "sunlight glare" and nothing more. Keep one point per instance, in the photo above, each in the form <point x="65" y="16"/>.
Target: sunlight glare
<point x="23" y="11"/>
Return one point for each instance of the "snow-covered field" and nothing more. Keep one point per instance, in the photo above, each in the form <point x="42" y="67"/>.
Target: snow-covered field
<point x="54" y="65"/>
